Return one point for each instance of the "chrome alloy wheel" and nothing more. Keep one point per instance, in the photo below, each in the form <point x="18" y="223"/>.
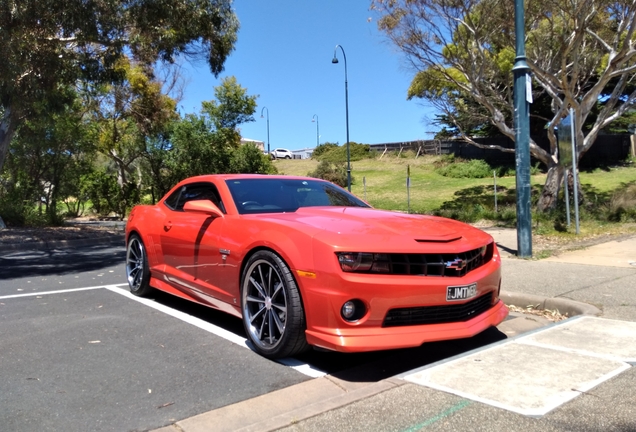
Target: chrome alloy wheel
<point x="264" y="302"/>
<point x="137" y="271"/>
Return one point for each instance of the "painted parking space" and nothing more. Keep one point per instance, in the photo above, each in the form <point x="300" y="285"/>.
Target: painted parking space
<point x="536" y="373"/>
<point x="92" y="359"/>
<point x="122" y="290"/>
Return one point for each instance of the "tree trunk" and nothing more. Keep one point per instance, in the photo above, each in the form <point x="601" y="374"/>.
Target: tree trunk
<point x="7" y="130"/>
<point x="550" y="193"/>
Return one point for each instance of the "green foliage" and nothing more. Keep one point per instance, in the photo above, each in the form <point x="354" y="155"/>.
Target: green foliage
<point x="233" y="106"/>
<point x="337" y="154"/>
<point x="22" y="214"/>
<point x="198" y="149"/>
<point x="322" y="149"/>
<point x="48" y="155"/>
<point x="619" y="206"/>
<point x="333" y="172"/>
<point x="102" y="190"/>
<point x="51" y="44"/>
<point x="475" y="168"/>
<point x="249" y="159"/>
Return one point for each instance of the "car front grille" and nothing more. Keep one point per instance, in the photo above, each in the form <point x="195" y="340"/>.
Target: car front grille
<point x="437" y="314"/>
<point x="451" y="265"/>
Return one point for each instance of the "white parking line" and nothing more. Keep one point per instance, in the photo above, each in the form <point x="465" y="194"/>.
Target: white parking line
<point x="536" y="373"/>
<point x="33" y="294"/>
<point x="197" y="322"/>
<point x="303" y="368"/>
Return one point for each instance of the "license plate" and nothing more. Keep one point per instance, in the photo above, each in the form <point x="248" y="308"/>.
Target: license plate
<point x="463" y="292"/>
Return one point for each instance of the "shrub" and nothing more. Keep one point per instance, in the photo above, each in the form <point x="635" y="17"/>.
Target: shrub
<point x="621" y="206"/>
<point x="475" y="168"/>
<point x="335" y="173"/>
<point x="248" y="159"/>
<point x="338" y="154"/>
<point x="322" y="149"/>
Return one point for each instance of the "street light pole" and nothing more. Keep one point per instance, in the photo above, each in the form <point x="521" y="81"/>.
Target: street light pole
<point x="317" y="130"/>
<point x="522" y="136"/>
<point x="335" y="60"/>
<point x="265" y="108"/>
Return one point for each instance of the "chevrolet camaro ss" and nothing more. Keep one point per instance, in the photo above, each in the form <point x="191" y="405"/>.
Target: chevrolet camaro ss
<point x="305" y="263"/>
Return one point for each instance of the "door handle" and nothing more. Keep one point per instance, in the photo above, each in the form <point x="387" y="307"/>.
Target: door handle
<point x="167" y="226"/>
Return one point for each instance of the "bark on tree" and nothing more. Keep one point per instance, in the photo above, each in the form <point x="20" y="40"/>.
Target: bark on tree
<point x="550" y="194"/>
<point x="7" y="130"/>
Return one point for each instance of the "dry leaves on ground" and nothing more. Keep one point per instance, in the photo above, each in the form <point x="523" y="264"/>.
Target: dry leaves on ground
<point x="552" y="315"/>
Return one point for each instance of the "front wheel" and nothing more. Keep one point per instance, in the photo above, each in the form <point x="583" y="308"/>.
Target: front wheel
<point x="273" y="314"/>
<point x="137" y="269"/>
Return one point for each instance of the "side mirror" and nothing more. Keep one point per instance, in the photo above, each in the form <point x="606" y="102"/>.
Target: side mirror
<point x="203" y="206"/>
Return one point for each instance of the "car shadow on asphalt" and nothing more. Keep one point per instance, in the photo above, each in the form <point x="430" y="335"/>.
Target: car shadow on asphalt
<point x="60" y="261"/>
<point x="353" y="367"/>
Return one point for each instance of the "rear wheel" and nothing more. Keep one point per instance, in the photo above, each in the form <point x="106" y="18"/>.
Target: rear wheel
<point x="273" y="314"/>
<point x="137" y="269"/>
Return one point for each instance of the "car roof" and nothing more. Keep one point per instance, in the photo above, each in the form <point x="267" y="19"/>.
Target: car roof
<point x="212" y="177"/>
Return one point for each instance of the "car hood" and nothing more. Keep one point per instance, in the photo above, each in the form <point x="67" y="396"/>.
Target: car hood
<point x="348" y="227"/>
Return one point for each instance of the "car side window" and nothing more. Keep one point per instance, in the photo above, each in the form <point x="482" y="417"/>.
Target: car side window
<point x="173" y="199"/>
<point x="192" y="192"/>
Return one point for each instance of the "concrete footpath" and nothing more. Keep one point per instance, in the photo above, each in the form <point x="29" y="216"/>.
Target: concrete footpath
<point x="573" y="375"/>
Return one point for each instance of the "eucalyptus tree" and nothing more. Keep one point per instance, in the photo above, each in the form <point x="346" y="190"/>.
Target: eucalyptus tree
<point x="209" y="142"/>
<point x="581" y="55"/>
<point x="127" y="117"/>
<point x="45" y="44"/>
<point x="50" y="153"/>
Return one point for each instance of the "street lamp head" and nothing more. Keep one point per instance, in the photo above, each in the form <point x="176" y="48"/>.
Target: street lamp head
<point x="334" y="60"/>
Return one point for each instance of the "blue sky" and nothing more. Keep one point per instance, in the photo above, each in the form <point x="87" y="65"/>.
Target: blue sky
<point x="284" y="54"/>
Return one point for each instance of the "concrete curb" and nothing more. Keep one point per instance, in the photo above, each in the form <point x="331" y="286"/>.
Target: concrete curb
<point x="564" y="306"/>
<point x="62" y="244"/>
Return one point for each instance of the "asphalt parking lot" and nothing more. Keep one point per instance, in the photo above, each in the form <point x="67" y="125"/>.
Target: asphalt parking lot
<point x="80" y="353"/>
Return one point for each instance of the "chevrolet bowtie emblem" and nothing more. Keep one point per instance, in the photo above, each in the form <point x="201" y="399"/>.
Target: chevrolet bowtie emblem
<point x="456" y="264"/>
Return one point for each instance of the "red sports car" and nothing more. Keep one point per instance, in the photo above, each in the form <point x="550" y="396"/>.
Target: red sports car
<point x="305" y="263"/>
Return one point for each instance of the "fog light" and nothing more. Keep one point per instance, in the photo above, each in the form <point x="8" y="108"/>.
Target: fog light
<point x="348" y="310"/>
<point x="353" y="310"/>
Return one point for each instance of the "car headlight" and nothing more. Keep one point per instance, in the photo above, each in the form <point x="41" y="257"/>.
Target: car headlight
<point x="362" y="262"/>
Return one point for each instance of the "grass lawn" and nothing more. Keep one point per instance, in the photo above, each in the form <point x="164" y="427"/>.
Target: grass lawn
<point x="382" y="183"/>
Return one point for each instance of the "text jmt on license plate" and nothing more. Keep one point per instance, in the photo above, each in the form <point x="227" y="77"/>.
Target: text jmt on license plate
<point x="461" y="292"/>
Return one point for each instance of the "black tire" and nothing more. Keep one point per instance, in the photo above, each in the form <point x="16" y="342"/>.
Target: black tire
<point x="273" y="314"/>
<point x="287" y="157"/>
<point x="137" y="269"/>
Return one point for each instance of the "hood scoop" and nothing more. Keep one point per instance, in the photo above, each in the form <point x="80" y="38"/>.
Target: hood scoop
<point x="438" y="240"/>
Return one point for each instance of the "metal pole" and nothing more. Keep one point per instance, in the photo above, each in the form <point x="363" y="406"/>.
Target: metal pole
<point x="335" y="60"/>
<point x="364" y="184"/>
<point x="408" y="189"/>
<point x="265" y="108"/>
<point x="567" y="196"/>
<point x="574" y="176"/>
<point x="317" y="130"/>
<point x="522" y="136"/>
<point x="494" y="175"/>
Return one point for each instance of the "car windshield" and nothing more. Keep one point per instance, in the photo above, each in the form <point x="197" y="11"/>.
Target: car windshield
<point x="277" y="195"/>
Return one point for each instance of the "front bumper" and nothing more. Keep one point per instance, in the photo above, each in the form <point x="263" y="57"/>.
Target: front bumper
<point x="324" y="295"/>
<point x="381" y="338"/>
